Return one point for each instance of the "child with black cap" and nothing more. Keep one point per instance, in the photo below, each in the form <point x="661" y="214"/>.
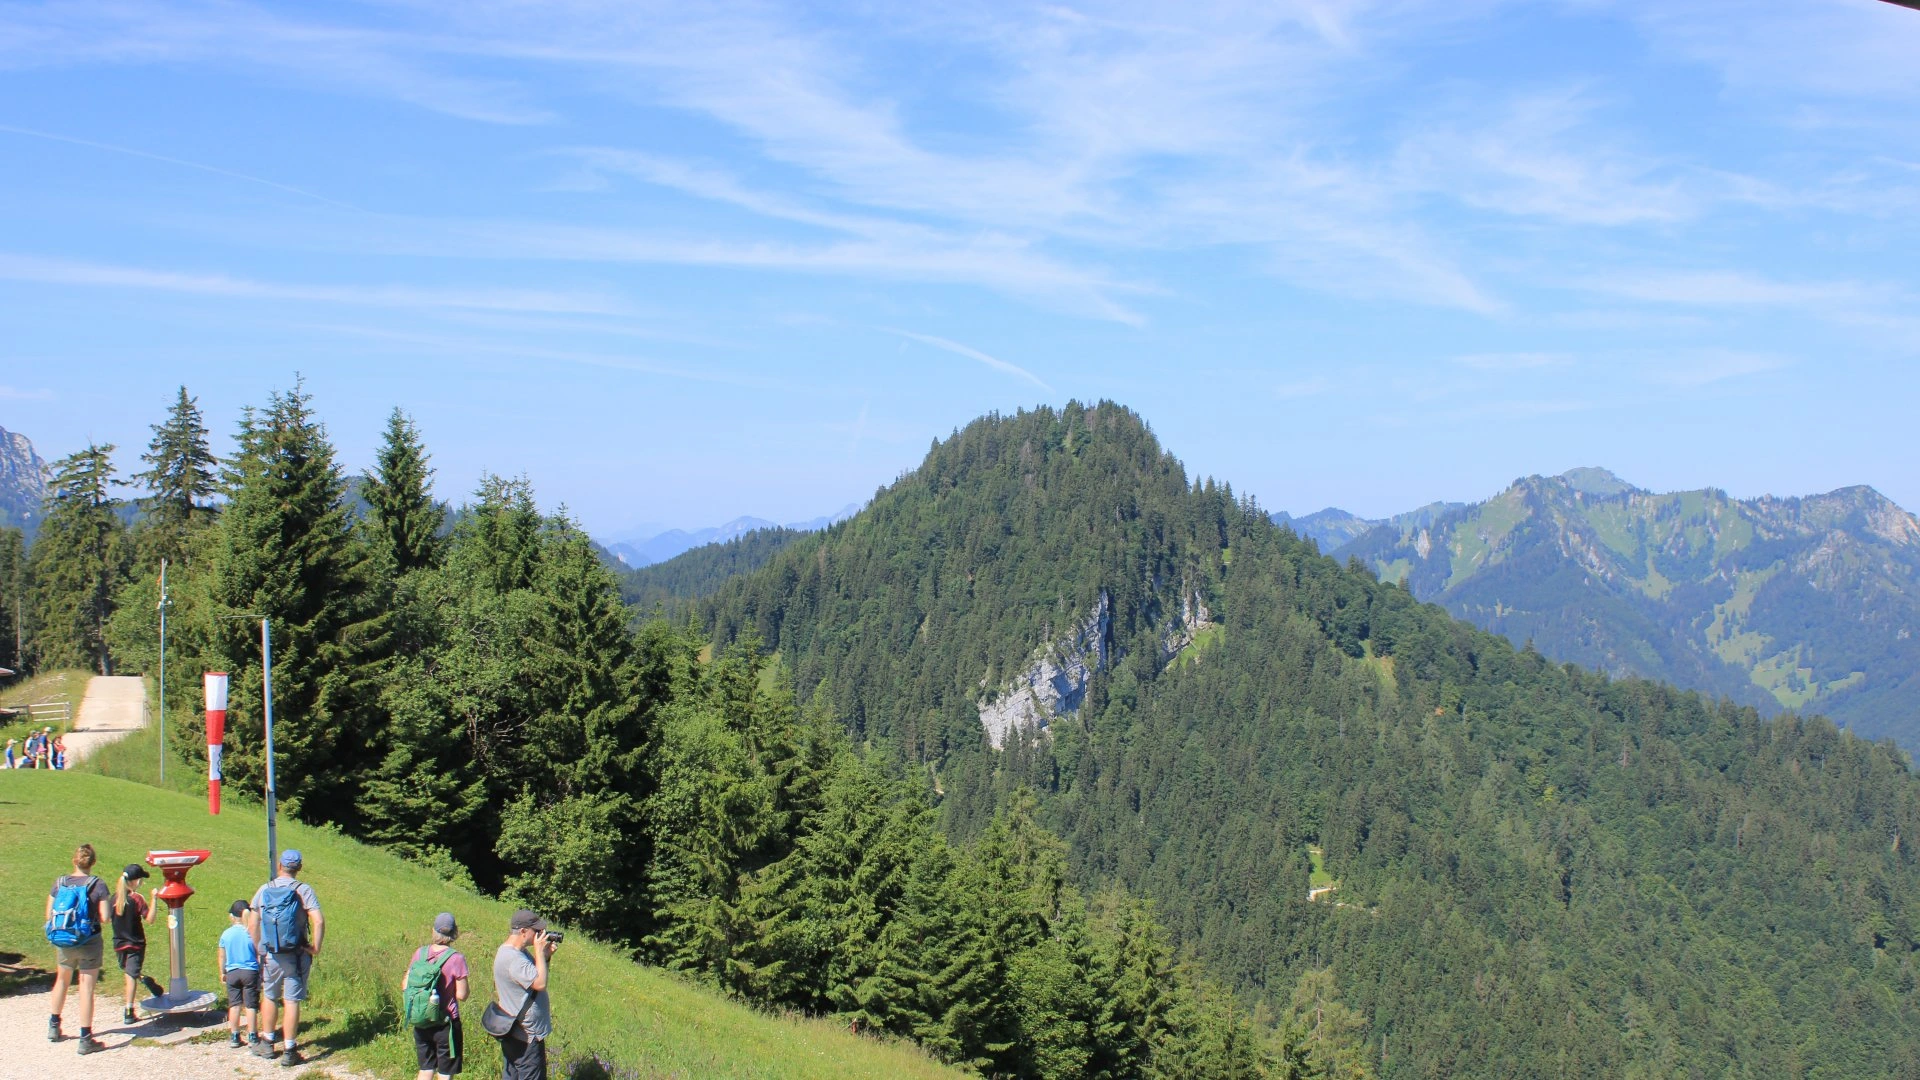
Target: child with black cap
<point x="240" y="970"/>
<point x="131" y="914"/>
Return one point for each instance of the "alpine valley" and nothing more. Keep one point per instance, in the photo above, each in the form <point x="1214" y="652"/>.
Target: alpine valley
<point x="1811" y="603"/>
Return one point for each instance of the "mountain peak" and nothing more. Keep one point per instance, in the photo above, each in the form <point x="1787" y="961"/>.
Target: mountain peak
<point x="1594" y="480"/>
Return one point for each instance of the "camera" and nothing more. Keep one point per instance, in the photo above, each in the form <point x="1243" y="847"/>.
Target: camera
<point x="556" y="936"/>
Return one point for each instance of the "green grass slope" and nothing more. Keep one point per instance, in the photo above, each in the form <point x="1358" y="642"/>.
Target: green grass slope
<point x="378" y="908"/>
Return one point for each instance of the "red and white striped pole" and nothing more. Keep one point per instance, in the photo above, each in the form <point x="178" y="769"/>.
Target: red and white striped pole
<point x="216" y="684"/>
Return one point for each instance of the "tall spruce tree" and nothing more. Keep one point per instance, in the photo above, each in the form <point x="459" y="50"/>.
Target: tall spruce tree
<point x="399" y="492"/>
<point x="77" y="561"/>
<point x="179" y="478"/>
<point x="286" y="552"/>
<point x="13" y="599"/>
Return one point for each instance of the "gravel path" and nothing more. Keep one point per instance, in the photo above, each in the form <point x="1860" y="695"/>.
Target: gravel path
<point x="114" y="707"/>
<point x="157" y="1049"/>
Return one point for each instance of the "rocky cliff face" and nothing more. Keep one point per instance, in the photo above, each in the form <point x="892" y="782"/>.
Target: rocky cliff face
<point x="23" y="482"/>
<point x="1808" y="603"/>
<point x="1055" y="683"/>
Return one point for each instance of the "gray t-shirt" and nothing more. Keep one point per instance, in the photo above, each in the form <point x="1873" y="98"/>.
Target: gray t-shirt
<point x="513" y="973"/>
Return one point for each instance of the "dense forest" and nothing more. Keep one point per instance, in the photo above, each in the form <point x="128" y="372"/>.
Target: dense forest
<point x="468" y="689"/>
<point x="1534" y="869"/>
<point x="668" y="589"/>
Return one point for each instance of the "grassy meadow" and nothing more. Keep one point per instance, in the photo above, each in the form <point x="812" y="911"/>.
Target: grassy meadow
<point x="378" y="908"/>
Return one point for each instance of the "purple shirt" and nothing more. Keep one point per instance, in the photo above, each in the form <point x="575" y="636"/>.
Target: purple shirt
<point x="454" y="968"/>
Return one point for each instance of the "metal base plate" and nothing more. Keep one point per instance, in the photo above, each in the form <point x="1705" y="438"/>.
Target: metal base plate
<point x="194" y="1001"/>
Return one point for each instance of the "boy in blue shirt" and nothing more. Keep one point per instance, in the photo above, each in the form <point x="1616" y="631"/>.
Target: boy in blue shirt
<point x="240" y="970"/>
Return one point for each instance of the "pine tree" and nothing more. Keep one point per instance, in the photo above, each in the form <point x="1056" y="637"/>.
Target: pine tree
<point x="287" y="552"/>
<point x="399" y="494"/>
<point x="77" y="561"/>
<point x="180" y="478"/>
<point x="13" y="599"/>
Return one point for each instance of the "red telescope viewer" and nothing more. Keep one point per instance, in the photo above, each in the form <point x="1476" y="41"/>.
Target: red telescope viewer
<point x="173" y="865"/>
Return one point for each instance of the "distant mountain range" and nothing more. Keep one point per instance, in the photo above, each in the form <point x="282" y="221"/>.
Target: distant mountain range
<point x="636" y="552"/>
<point x="23" y="482"/>
<point x="1806" y="603"/>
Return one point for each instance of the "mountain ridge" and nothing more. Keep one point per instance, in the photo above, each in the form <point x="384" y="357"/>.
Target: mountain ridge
<point x="23" y="482"/>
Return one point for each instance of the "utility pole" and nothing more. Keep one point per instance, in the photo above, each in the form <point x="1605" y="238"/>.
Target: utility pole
<point x="163" y="673"/>
<point x="266" y="697"/>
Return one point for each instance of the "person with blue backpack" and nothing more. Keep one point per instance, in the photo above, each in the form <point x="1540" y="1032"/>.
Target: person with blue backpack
<point x="77" y="908"/>
<point x="286" y="924"/>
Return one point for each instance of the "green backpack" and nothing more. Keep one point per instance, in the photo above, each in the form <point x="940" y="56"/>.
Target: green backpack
<point x="420" y="1004"/>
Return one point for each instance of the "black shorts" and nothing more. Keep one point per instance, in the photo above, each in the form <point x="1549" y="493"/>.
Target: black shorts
<point x="132" y="961"/>
<point x="439" y="1048"/>
<point x="243" y="988"/>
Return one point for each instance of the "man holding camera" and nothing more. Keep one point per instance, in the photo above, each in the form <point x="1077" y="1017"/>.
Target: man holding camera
<point x="520" y="982"/>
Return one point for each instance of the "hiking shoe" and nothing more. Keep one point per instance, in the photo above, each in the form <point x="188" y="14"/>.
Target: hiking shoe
<point x="127" y="1017"/>
<point x="233" y="1040"/>
<point x="263" y="1048"/>
<point x="292" y="1058"/>
<point x="89" y="1044"/>
<point x="53" y="1029"/>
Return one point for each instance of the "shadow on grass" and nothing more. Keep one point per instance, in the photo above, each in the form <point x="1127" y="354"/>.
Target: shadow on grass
<point x="17" y="976"/>
<point x="362" y="1026"/>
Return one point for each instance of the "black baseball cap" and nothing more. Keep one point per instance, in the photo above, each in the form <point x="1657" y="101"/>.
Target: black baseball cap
<point x="134" y="872"/>
<point x="527" y="920"/>
<point x="238" y="909"/>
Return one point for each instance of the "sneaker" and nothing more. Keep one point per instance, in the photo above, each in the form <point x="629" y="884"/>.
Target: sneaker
<point x="127" y="1017"/>
<point x="89" y="1044"/>
<point x="53" y="1029"/>
<point x="233" y="1040"/>
<point x="292" y="1058"/>
<point x="264" y="1049"/>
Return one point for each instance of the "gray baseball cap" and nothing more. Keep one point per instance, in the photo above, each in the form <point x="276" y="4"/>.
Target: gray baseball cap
<point x="444" y="925"/>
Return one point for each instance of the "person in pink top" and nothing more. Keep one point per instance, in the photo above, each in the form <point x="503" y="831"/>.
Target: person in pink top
<point x="438" y="1050"/>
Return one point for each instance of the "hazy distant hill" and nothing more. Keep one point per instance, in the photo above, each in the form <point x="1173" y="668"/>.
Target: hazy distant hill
<point x="1808" y="603"/>
<point x="659" y="547"/>
<point x="23" y="482"/>
<point x="1333" y="527"/>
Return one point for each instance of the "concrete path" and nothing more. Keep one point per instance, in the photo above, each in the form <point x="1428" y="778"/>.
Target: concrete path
<point x="114" y="707"/>
<point x="161" y="1048"/>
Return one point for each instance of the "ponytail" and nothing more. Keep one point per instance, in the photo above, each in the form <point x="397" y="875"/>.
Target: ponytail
<point x="120" y="896"/>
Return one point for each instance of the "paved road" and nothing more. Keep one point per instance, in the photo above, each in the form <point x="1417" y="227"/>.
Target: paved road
<point x="113" y="708"/>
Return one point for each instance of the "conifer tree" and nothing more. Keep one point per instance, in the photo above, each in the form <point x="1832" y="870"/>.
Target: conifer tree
<point x="399" y="492"/>
<point x="179" y="478"/>
<point x="77" y="561"/>
<point x="13" y="599"/>
<point x="287" y="552"/>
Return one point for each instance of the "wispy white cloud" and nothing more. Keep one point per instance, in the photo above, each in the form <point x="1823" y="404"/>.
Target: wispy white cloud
<point x="1514" y="361"/>
<point x="182" y="162"/>
<point x="971" y="353"/>
<point x="1692" y="369"/>
<point x="45" y="271"/>
<point x="1728" y="288"/>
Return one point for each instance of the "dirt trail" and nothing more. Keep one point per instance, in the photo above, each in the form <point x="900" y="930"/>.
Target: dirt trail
<point x="114" y="707"/>
<point x="156" y="1049"/>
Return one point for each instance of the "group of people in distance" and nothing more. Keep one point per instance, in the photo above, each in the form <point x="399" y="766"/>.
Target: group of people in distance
<point x="266" y="955"/>
<point x="44" y="750"/>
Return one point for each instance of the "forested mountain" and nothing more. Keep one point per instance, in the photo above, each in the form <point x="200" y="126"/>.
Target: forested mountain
<point x="670" y="587"/>
<point x="1808" y="603"/>
<point x="23" y="483"/>
<point x="1522" y="869"/>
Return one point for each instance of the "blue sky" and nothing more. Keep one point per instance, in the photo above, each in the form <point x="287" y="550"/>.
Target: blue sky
<point x="682" y="262"/>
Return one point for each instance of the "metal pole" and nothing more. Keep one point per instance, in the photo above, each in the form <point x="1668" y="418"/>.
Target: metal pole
<point x="266" y="693"/>
<point x="163" y="673"/>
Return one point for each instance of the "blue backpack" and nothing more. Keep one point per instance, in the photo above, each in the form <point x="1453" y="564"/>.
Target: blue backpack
<point x="73" y="923"/>
<point x="282" y="929"/>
